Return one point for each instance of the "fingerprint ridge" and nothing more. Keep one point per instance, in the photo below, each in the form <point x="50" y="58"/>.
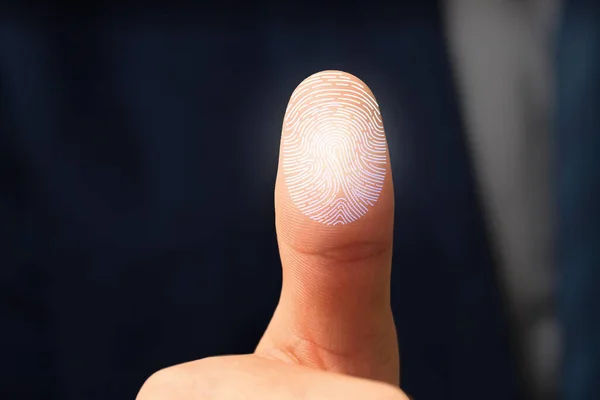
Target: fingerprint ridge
<point x="334" y="148"/>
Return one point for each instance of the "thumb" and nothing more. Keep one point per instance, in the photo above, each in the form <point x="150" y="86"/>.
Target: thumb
<point x="334" y="209"/>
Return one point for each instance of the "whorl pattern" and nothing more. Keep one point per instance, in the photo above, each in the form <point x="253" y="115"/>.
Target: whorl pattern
<point x="334" y="148"/>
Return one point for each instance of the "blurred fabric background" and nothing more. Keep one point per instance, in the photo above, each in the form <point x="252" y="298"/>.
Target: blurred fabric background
<point x="138" y="151"/>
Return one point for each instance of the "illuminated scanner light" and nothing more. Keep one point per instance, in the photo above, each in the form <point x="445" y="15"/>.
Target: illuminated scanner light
<point x="334" y="151"/>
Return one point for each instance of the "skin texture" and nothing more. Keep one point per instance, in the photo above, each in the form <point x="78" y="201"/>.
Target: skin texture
<point x="333" y="147"/>
<point x="332" y="335"/>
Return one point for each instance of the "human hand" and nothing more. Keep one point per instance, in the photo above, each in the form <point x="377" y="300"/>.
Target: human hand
<point x="332" y="335"/>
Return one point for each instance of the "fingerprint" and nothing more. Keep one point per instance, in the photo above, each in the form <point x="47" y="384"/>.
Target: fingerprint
<point x="333" y="148"/>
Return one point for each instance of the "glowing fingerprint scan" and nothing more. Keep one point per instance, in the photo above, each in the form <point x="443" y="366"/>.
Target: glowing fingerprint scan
<point x="333" y="148"/>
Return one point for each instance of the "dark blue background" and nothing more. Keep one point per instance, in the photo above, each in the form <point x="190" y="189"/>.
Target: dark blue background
<point x="138" y="154"/>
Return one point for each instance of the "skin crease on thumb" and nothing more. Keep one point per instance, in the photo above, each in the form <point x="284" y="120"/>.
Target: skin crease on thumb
<point x="334" y="216"/>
